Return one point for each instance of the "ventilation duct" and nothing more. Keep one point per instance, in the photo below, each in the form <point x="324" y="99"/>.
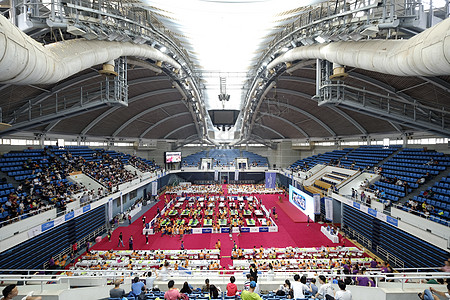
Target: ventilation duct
<point x="25" y="61"/>
<point x="426" y="54"/>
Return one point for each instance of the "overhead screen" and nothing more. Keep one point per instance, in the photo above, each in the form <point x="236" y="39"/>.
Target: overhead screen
<point x="173" y="157"/>
<point x="223" y="116"/>
<point x="303" y="201"/>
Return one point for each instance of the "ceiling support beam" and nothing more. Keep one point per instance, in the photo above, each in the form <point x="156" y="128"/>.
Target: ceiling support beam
<point x="131" y="100"/>
<point x="162" y="121"/>
<point x="303" y="112"/>
<point x="142" y="113"/>
<point x="271" y="129"/>
<point x="350" y="119"/>
<point x="288" y="122"/>
<point x="178" y="129"/>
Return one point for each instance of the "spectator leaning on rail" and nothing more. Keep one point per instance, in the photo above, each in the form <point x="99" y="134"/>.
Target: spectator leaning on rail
<point x="431" y="294"/>
<point x="12" y="291"/>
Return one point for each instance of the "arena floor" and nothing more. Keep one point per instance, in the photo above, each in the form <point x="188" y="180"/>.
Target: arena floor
<point x="293" y="232"/>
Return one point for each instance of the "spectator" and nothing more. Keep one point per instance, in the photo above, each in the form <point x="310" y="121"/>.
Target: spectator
<point x="247" y="283"/>
<point x="342" y="294"/>
<point x="213" y="292"/>
<point x="172" y="293"/>
<point x="151" y="277"/>
<point x="137" y="287"/>
<point x="446" y="267"/>
<point x="11" y="291"/>
<point x="432" y="294"/>
<point x="250" y="294"/>
<point x="326" y="289"/>
<point x="206" y="286"/>
<point x="186" y="289"/>
<point x="254" y="272"/>
<point x="285" y="289"/>
<point x="231" y="287"/>
<point x="312" y="285"/>
<point x="117" y="291"/>
<point x="299" y="287"/>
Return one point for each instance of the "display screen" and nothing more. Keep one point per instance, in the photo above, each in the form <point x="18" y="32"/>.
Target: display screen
<point x="303" y="201"/>
<point x="173" y="157"/>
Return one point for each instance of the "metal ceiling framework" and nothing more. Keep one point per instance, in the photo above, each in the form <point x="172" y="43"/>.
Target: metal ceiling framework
<point x="121" y="21"/>
<point x="128" y="21"/>
<point x="332" y="22"/>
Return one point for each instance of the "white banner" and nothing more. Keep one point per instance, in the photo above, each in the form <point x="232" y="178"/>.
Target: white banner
<point x="154" y="188"/>
<point x="78" y="212"/>
<point x="316" y="198"/>
<point x="59" y="221"/>
<point x="121" y="202"/>
<point x="34" y="231"/>
<point x="329" y="208"/>
<point x="110" y="208"/>
<point x="273" y="229"/>
<point x="254" y="229"/>
<point x="236" y="174"/>
<point x="196" y="230"/>
<point x="216" y="175"/>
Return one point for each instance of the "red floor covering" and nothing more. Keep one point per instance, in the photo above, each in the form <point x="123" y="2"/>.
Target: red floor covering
<point x="289" y="234"/>
<point x="292" y="212"/>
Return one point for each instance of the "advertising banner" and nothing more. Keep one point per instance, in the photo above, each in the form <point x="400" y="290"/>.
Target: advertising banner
<point x="329" y="209"/>
<point x="270" y="180"/>
<point x="316" y="198"/>
<point x="155" y="188"/>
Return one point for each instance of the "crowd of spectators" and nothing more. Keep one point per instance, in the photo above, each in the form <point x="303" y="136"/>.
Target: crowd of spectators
<point x="142" y="165"/>
<point x="47" y="186"/>
<point x="298" y="287"/>
<point x="421" y="209"/>
<point x="108" y="171"/>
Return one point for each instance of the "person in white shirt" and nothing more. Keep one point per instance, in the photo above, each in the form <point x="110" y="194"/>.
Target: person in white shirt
<point x="299" y="287"/>
<point x="342" y="294"/>
<point x="150" y="280"/>
<point x="325" y="289"/>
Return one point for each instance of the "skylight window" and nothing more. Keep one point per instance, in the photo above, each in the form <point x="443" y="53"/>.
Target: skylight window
<point x="224" y="38"/>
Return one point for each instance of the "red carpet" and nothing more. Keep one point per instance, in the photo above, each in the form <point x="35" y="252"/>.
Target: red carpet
<point x="296" y="234"/>
<point x="293" y="212"/>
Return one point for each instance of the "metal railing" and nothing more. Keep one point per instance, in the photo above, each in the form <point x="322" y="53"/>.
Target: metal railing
<point x="359" y="237"/>
<point x="27" y="215"/>
<point x="408" y="110"/>
<point x="390" y="257"/>
<point x="81" y="243"/>
<point x="30" y="277"/>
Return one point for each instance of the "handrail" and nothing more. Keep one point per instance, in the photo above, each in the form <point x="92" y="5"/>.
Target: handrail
<point x="29" y="214"/>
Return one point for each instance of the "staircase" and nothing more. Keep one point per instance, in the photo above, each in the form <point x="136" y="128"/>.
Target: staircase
<point x="389" y="157"/>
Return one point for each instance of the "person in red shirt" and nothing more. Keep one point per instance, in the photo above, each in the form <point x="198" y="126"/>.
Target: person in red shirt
<point x="231" y="287"/>
<point x="172" y="293"/>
